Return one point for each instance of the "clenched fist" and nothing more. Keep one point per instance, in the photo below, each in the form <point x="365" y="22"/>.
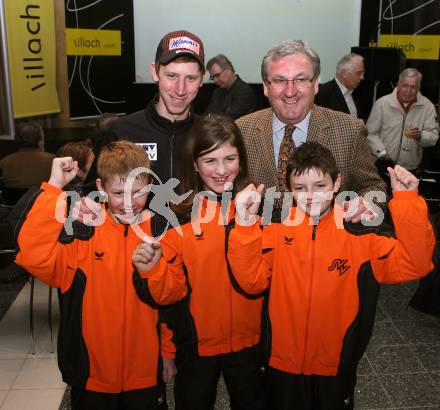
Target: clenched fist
<point x="147" y="254"/>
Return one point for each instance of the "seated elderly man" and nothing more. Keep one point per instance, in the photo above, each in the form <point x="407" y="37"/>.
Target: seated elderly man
<point x="402" y="123"/>
<point x="30" y="165"/>
<point x="233" y="97"/>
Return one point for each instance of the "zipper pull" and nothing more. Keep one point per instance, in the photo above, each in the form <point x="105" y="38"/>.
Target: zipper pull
<point x="314" y="232"/>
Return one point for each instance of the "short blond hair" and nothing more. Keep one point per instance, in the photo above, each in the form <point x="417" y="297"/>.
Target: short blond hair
<point x="119" y="158"/>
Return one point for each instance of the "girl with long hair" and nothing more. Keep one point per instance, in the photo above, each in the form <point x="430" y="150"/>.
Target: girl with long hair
<point x="215" y="330"/>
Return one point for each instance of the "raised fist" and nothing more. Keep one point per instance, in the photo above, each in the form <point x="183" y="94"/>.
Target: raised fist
<point x="147" y="254"/>
<point x="63" y="171"/>
<point x="247" y="203"/>
<point x="402" y="179"/>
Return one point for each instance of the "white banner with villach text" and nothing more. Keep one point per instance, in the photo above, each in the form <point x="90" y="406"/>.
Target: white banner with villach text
<point x="30" y="29"/>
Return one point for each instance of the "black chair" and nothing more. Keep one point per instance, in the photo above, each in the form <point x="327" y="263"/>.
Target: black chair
<point x="10" y="271"/>
<point x="429" y="186"/>
<point x="10" y="196"/>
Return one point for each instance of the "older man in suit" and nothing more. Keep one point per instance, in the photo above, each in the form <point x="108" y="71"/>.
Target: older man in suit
<point x="290" y="72"/>
<point x="338" y="94"/>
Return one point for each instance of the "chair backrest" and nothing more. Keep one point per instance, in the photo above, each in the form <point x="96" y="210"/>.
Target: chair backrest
<point x="10" y="196"/>
<point x="7" y="240"/>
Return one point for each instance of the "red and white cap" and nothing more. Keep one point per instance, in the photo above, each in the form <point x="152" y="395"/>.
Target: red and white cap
<point x="180" y="43"/>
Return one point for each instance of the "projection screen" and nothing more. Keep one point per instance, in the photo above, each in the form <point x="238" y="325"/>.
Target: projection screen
<point x="244" y="30"/>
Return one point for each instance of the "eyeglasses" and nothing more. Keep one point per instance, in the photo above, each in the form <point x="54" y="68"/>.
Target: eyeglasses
<point x="214" y="76"/>
<point x="407" y="87"/>
<point x="300" y="83"/>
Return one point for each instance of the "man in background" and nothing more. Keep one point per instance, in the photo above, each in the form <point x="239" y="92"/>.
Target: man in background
<point x="30" y="165"/>
<point x="21" y="170"/>
<point x="233" y="97"/>
<point x="401" y="124"/>
<point x="337" y="94"/>
<point x="290" y="72"/>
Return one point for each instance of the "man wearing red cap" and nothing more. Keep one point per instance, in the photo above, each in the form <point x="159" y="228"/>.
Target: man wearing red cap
<point x="162" y="126"/>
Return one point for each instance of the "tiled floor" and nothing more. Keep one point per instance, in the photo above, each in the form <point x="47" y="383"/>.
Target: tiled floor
<point x="401" y="369"/>
<point x="28" y="381"/>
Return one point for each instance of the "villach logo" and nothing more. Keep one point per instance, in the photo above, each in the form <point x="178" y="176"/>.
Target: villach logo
<point x="33" y="63"/>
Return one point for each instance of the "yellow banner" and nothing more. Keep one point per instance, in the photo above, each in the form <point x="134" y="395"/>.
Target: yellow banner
<point x="415" y="47"/>
<point x="85" y="42"/>
<point x="30" y="32"/>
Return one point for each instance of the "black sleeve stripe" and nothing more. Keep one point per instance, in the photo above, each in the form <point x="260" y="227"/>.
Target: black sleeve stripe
<point x="142" y="290"/>
<point x="384" y="256"/>
<point x="234" y="282"/>
<point x="22" y="208"/>
<point x="359" y="229"/>
<point x="80" y="231"/>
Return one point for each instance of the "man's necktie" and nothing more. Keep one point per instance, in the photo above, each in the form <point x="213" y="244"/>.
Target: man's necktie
<point x="286" y="149"/>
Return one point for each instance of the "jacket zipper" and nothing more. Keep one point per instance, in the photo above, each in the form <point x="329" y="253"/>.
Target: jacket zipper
<point x="230" y="316"/>
<point x="225" y="217"/>
<point x="309" y="298"/>
<point x="401" y="138"/>
<point x="124" y="310"/>
<point x="172" y="152"/>
<point x="314" y="232"/>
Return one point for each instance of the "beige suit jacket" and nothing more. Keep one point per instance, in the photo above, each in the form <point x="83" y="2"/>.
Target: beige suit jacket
<point x="344" y="135"/>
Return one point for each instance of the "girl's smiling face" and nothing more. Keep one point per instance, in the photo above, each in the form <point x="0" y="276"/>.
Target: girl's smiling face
<point x="219" y="168"/>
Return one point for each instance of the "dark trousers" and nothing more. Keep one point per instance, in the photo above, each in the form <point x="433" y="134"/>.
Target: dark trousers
<point x="298" y="392"/>
<point x="195" y="386"/>
<point x="152" y="398"/>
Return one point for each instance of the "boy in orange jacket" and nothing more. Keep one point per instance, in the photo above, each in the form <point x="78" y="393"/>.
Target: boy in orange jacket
<point x="324" y="277"/>
<point x="108" y="345"/>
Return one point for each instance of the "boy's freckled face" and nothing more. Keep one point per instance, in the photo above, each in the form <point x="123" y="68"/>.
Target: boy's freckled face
<point x="313" y="191"/>
<point x="134" y="200"/>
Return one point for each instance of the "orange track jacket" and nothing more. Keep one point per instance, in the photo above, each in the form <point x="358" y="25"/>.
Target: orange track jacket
<point x="324" y="281"/>
<point x="214" y="318"/>
<point x="108" y="339"/>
